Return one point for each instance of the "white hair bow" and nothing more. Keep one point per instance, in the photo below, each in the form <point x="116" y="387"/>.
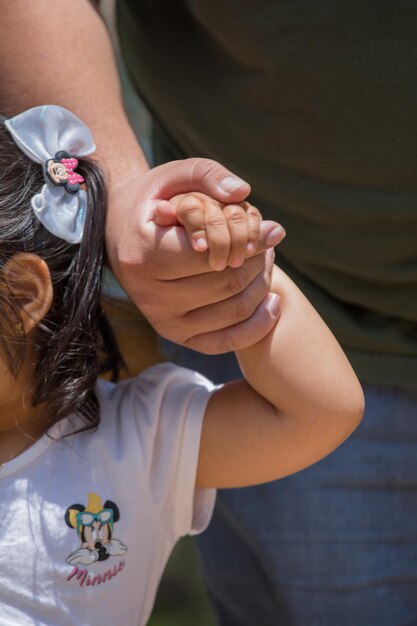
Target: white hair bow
<point x="54" y="137"/>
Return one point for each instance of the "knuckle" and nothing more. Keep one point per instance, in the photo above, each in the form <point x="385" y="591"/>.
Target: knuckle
<point x="203" y="170"/>
<point x="226" y="342"/>
<point x="238" y="280"/>
<point x="255" y="229"/>
<point x="190" y="207"/>
<point x="253" y="211"/>
<point x="236" y="216"/>
<point x="256" y="327"/>
<point x="244" y="308"/>
<point x="215" y="221"/>
<point x="262" y="326"/>
<point x="255" y="266"/>
<point x="191" y="200"/>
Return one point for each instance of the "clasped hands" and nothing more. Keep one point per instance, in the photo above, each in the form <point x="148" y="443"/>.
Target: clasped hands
<point x="194" y="255"/>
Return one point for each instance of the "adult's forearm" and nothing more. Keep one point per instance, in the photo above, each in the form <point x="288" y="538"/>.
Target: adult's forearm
<point x="61" y="53"/>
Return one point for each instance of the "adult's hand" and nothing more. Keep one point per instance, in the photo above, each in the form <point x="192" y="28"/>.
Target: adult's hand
<point x="173" y="285"/>
<point x="149" y="264"/>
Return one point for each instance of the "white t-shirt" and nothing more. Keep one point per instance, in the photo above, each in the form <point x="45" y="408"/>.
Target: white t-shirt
<point x="88" y="522"/>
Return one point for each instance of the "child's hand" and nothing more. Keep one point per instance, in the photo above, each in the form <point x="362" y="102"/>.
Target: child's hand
<point x="230" y="232"/>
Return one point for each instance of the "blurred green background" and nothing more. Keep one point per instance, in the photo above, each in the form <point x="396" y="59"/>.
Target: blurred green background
<point x="181" y="599"/>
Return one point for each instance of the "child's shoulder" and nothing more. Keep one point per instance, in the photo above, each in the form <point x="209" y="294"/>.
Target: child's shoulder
<point x="154" y="381"/>
<point x="153" y="422"/>
<point x="160" y="393"/>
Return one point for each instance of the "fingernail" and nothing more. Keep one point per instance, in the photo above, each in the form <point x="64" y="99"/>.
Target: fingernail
<point x="250" y="247"/>
<point x="219" y="266"/>
<point x="275" y="236"/>
<point x="273" y="304"/>
<point x="201" y="244"/>
<point x="231" y="183"/>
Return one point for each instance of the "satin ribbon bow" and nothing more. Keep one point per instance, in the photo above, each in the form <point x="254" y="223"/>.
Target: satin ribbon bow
<point x="42" y="133"/>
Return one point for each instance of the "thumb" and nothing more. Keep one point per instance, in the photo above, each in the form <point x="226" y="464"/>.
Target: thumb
<point x="203" y="175"/>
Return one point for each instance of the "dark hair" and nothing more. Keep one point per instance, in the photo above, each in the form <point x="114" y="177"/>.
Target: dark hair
<point x="74" y="337"/>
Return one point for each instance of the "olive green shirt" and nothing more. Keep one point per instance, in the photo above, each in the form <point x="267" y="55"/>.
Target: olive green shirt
<point x="315" y="104"/>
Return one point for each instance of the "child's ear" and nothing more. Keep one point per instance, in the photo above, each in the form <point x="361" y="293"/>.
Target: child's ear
<point x="28" y="278"/>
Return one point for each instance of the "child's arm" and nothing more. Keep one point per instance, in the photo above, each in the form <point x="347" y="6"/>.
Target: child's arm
<point x="299" y="401"/>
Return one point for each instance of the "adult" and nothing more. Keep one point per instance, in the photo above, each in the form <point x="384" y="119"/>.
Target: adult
<point x="315" y="104"/>
<point x="61" y="53"/>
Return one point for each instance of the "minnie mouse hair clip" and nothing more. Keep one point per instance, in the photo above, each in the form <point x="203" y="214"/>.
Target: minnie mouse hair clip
<point x="40" y="133"/>
<point x="60" y="171"/>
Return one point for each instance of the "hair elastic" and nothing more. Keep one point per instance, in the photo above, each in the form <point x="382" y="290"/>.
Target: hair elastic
<point x="55" y="137"/>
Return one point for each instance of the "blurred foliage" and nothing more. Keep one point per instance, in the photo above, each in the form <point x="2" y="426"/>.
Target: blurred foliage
<point x="181" y="599"/>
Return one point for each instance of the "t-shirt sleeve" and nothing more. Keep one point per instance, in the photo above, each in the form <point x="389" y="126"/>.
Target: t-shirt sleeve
<point x="169" y="405"/>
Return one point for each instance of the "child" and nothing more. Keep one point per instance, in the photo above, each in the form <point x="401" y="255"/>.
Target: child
<point x="98" y="481"/>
